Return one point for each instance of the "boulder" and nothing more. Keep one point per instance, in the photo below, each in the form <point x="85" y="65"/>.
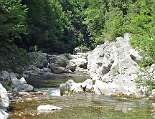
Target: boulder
<point x="114" y="67"/>
<point x="47" y="108"/>
<point x="4" y="103"/>
<point x="78" y="62"/>
<point x="80" y="50"/>
<point x="70" y="87"/>
<point x="71" y="66"/>
<point x="4" y="75"/>
<point x="38" y="59"/>
<point x="20" y="84"/>
<point x="59" y="60"/>
<point x="57" y="69"/>
<point x="3" y="114"/>
<point x="87" y="85"/>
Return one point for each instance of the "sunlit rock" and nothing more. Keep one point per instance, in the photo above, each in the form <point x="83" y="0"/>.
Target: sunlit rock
<point x="114" y="67"/>
<point x="4" y="103"/>
<point x="47" y="108"/>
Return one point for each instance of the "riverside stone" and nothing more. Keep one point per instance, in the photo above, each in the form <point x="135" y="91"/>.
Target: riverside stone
<point x="47" y="108"/>
<point x="114" y="67"/>
<point x="4" y="103"/>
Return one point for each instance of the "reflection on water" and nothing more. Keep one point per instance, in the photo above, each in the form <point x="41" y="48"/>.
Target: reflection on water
<point x="90" y="106"/>
<point x="103" y="107"/>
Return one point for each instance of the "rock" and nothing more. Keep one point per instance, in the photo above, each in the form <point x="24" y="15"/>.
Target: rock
<point x="38" y="59"/>
<point x="23" y="94"/>
<point x="4" y="75"/>
<point x="20" y="84"/>
<point x="79" y="62"/>
<point x="5" y="79"/>
<point x="45" y="70"/>
<point x="3" y="114"/>
<point x="65" y="87"/>
<point x="47" y="108"/>
<point x="71" y="66"/>
<point x="4" y="97"/>
<point x="135" y="55"/>
<point x="87" y="85"/>
<point x="151" y="70"/>
<point x="59" y="60"/>
<point x="4" y="103"/>
<point x="152" y="94"/>
<point x="114" y="67"/>
<point x="57" y="69"/>
<point x="23" y="87"/>
<point x="70" y="87"/>
<point x="80" y="50"/>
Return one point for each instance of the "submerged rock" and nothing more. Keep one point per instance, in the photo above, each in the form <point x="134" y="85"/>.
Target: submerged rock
<point x="47" y="108"/>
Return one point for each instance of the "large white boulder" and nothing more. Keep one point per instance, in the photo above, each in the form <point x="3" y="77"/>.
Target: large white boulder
<point x="4" y="103"/>
<point x="114" y="67"/>
<point x="4" y="100"/>
<point x="3" y="114"/>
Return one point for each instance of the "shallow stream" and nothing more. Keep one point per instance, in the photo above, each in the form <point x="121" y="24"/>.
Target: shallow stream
<point x="86" y="106"/>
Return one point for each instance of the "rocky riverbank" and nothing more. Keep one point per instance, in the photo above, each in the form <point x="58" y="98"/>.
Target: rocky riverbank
<point x="110" y="69"/>
<point x="114" y="70"/>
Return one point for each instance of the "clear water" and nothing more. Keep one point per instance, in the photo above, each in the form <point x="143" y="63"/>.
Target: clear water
<point x="89" y="106"/>
<point x="102" y="107"/>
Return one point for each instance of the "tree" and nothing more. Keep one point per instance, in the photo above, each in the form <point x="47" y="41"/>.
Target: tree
<point x="12" y="23"/>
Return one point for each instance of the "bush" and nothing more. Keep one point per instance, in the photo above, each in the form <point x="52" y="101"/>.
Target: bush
<point x="12" y="58"/>
<point x="147" y="45"/>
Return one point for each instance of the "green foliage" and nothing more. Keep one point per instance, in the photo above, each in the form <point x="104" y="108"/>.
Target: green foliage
<point x="142" y="26"/>
<point x="57" y="26"/>
<point x="12" y="19"/>
<point x="12" y="23"/>
<point x="149" y="83"/>
<point x="146" y="44"/>
<point x="12" y="58"/>
<point x="113" y="24"/>
<point x="46" y="22"/>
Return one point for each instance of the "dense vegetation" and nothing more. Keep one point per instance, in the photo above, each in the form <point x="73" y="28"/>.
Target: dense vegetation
<point x="57" y="26"/>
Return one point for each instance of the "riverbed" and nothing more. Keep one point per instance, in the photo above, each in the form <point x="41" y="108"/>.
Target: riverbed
<point x="85" y="106"/>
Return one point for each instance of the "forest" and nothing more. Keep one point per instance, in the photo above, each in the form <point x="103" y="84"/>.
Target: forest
<point x="58" y="26"/>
